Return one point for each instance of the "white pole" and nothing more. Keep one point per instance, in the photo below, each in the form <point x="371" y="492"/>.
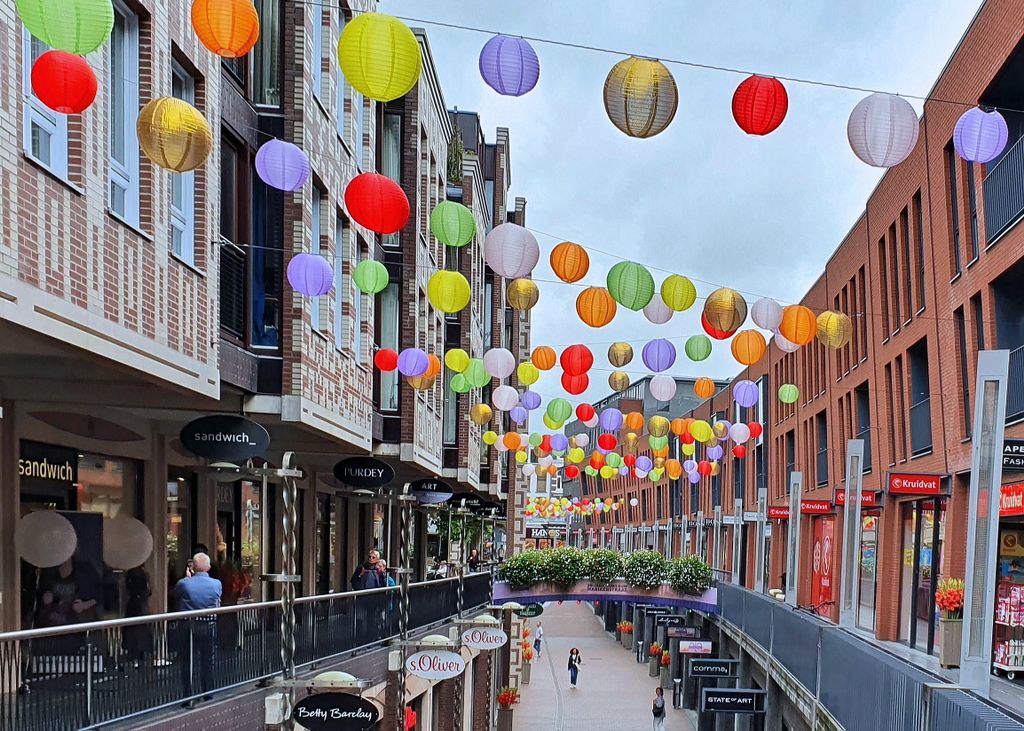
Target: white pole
<point x="849" y="592"/>
<point x="796" y="481"/>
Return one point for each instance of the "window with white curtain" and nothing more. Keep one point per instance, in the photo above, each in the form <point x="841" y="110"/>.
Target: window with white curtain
<point x="314" y="248"/>
<point x="342" y="284"/>
<point x="183" y="192"/>
<point x="357" y="310"/>
<point x="124" y="112"/>
<point x="46" y="131"/>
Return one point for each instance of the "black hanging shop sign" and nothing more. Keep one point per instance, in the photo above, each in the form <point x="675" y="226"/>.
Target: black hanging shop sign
<point x="702" y="668"/>
<point x="430" y="491"/>
<point x="682" y="633"/>
<point x="670" y="620"/>
<point x="335" y="712"/>
<point x="47" y="468"/>
<point x="534" y="609"/>
<point x="732" y="700"/>
<point x="364" y="473"/>
<point x="225" y="437"/>
<point x="467" y="500"/>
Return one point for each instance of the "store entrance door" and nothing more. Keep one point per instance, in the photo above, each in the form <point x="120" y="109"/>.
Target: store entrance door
<point x="821" y="566"/>
<point x="923" y="526"/>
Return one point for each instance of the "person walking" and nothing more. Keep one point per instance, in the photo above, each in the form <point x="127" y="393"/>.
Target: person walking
<point x="199" y="591"/>
<point x="574" y="666"/>
<point x="659" y="709"/>
<point x="538" y="640"/>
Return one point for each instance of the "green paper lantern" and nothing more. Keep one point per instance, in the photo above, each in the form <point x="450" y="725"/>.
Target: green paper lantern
<point x="552" y="424"/>
<point x="475" y="373"/>
<point x="678" y="292"/>
<point x="559" y="409"/>
<point x="371" y="276"/>
<point x="658" y="442"/>
<point x="612" y="459"/>
<point x="656" y="473"/>
<point x="452" y="224"/>
<point x="75" y="26"/>
<point x="630" y="285"/>
<point x="590" y="471"/>
<point x="788" y="393"/>
<point x="535" y="439"/>
<point x="459" y="384"/>
<point x="698" y="347"/>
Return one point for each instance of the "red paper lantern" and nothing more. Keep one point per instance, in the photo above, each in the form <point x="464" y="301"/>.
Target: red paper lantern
<point x="739" y="451"/>
<point x="64" y="82"/>
<point x="704" y="467"/>
<point x="575" y="385"/>
<point x="759" y="105"/>
<point x="410" y="718"/>
<point x="607" y="442"/>
<point x="755" y="429"/>
<point x="545" y="443"/>
<point x="576" y="360"/>
<point x="572" y="472"/>
<point x="597" y="460"/>
<point x="585" y="412"/>
<point x="629" y="460"/>
<point x="715" y="332"/>
<point x="687" y="438"/>
<point x="386" y="359"/>
<point x="377" y="202"/>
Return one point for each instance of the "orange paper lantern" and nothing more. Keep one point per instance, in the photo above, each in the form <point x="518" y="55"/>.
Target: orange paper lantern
<point x="569" y="262"/>
<point x="229" y="28"/>
<point x="748" y="347"/>
<point x="634" y="421"/>
<point x="595" y="306"/>
<point x="678" y="426"/>
<point x="704" y="388"/>
<point x="544" y="357"/>
<point x="799" y="325"/>
<point x="511" y="440"/>
<point x="434" y="365"/>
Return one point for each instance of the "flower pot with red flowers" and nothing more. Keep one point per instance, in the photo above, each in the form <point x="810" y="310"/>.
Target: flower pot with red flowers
<point x="627" y="635"/>
<point x="507" y="697"/>
<point x="666" y="667"/>
<point x="527" y="664"/>
<point x="654" y="663"/>
<point x="949" y="598"/>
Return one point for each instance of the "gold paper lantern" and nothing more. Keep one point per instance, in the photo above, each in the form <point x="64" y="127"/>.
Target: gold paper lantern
<point x="798" y="326"/>
<point x="748" y="347"/>
<point x="174" y="134"/>
<point x="725" y="309"/>
<point x="379" y="56"/>
<point x="657" y="426"/>
<point x="834" y="329"/>
<point x="522" y="294"/>
<point x="640" y="96"/>
<point x="421" y="383"/>
<point x="630" y="440"/>
<point x="480" y="414"/>
<point x="659" y="463"/>
<point x="569" y="261"/>
<point x="620" y="354"/>
<point x="618" y="381"/>
<point x="595" y="306"/>
<point x="715" y="469"/>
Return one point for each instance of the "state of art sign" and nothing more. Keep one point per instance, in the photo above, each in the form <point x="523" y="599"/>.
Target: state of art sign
<point x="435" y="664"/>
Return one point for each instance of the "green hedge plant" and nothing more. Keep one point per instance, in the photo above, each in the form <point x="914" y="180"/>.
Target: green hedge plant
<point x="524" y="569"/>
<point x="690" y="575"/>
<point x="603" y="565"/>
<point x="566" y="566"/>
<point x="645" y="569"/>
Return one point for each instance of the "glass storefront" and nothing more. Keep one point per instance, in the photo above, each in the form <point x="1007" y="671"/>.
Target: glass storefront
<point x="923" y="531"/>
<point x="868" y="571"/>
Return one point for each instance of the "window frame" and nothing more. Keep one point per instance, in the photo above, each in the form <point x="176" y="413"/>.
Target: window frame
<point x="125" y="174"/>
<point x="342" y="228"/>
<point x="318" y="49"/>
<point x="183" y="218"/>
<point x="34" y="112"/>
<point x="315" y="231"/>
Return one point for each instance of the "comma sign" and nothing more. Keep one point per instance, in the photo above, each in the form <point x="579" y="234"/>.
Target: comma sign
<point x="368" y="473"/>
<point x="225" y="437"/>
<point x="335" y="712"/>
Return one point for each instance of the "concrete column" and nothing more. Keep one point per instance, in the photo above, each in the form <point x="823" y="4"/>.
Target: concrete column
<point x="773" y="706"/>
<point x="481" y="699"/>
<point x="447" y="712"/>
<point x="746" y="680"/>
<point x="10" y="501"/>
<point x="638" y="626"/>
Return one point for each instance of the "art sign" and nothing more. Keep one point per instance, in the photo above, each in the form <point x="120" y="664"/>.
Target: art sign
<point x="364" y="473"/>
<point x="430" y="491"/>
<point x="335" y="712"/>
<point x="225" y="437"/>
<point x="484" y="638"/>
<point x="435" y="664"/>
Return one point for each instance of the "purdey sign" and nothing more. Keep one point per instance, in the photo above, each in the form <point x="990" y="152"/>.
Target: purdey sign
<point x="368" y="473"/>
<point x="335" y="712"/>
<point x="484" y="638"/>
<point x="224" y="437"/>
<point x="435" y="664"/>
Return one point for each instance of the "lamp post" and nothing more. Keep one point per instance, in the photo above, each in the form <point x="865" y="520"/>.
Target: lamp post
<point x="793" y="544"/>
<point x="849" y="593"/>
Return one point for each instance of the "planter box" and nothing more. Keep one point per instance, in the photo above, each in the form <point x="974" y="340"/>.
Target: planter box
<point x="654" y="665"/>
<point x="504" y="719"/>
<point x="952" y="634"/>
<point x="525" y="674"/>
<point x="666" y="681"/>
<point x="627" y="640"/>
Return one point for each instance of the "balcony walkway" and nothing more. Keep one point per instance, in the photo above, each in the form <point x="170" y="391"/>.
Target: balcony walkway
<point x="614" y="691"/>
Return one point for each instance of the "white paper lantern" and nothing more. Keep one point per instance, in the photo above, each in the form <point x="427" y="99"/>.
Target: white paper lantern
<point x="784" y="345"/>
<point x="662" y="387"/>
<point x="504" y="398"/>
<point x="634" y="502"/>
<point x="582" y="440"/>
<point x="546" y="461"/>
<point x="528" y="470"/>
<point x="739" y="433"/>
<point x="45" y="539"/>
<point x="127" y="543"/>
<point x="766" y="313"/>
<point x="657" y="311"/>
<point x="499" y="362"/>
<point x="500" y="446"/>
<point x="590" y="423"/>
<point x="511" y="251"/>
<point x="882" y="129"/>
<point x="640" y="474"/>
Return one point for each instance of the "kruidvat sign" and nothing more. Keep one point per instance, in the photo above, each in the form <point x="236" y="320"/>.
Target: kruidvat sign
<point x="335" y="712"/>
<point x="1011" y="500"/>
<point x="365" y="473"/>
<point x="902" y="483"/>
<point x="484" y="638"/>
<point x="430" y="491"/>
<point x="435" y="664"/>
<point x="225" y="437"/>
<point x="815" y="507"/>
<point x="868" y="498"/>
<point x="778" y="512"/>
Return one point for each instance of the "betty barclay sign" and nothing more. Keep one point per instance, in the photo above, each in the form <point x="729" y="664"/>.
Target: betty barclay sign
<point x="435" y="664"/>
<point x="335" y="712"/>
<point x="902" y="483"/>
<point x="430" y="491"/>
<point x="484" y="638"/>
<point x="225" y="437"/>
<point x="367" y="473"/>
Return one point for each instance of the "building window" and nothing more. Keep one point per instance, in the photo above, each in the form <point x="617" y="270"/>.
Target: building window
<point x="46" y="131"/>
<point x="920" y="399"/>
<point x="790" y="456"/>
<point x="883" y="270"/>
<point x="919" y="237"/>
<point x="908" y="291"/>
<point x="488" y="312"/>
<point x="318" y="50"/>
<point x="451" y="411"/>
<point x="388" y="308"/>
<point x="821" y="426"/>
<point x="266" y="55"/>
<point x="234" y="195"/>
<point x="965" y="384"/>
<point x="864" y="422"/>
<point x="342" y="92"/>
<point x="124" y="112"/>
<point x="358" y="126"/>
<point x="357" y="308"/>
<point x="391" y="158"/>
<point x="342" y="282"/>
<point x="979" y="323"/>
<point x="894" y="278"/>
<point x="954" y="210"/>
<point x="972" y="207"/>
<point x="183" y="193"/>
<point x="314" y="248"/>
<point x="892" y="414"/>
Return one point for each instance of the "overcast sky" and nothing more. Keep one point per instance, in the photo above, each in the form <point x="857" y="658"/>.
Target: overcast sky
<point x="759" y="214"/>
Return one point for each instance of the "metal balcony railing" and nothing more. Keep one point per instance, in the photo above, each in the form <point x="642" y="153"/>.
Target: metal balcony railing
<point x="233" y="279"/>
<point x="80" y="676"/>
<point x="1004" y="192"/>
<point x="921" y="426"/>
<point x="1015" y="386"/>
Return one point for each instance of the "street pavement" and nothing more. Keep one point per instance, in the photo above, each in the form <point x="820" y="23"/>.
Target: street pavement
<point x="614" y="691"/>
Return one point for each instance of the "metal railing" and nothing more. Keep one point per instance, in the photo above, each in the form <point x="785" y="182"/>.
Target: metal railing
<point x="79" y="676"/>
<point x="921" y="426"/>
<point x="1004" y="192"/>
<point x="1015" y="386"/>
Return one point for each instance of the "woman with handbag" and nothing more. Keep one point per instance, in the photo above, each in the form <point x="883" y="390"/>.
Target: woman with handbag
<point x="574" y="666"/>
<point x="659" y="709"/>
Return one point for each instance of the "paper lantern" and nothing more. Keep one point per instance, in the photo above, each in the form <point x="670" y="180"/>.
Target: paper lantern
<point x="456" y="359"/>
<point x="980" y="136"/>
<point x="64" y="82"/>
<point x="413" y="362"/>
<point x="834" y="329"/>
<point x="527" y="374"/>
<point x="421" y="383"/>
<point x="659" y="355"/>
<point x="745" y="393"/>
<point x="460" y="384"/>
<point x="788" y="393"/>
<point x="559" y="442"/>
<point x="882" y="129"/>
<point x="559" y="409"/>
<point x="385" y="359"/>
<point x="618" y="381"/>
<point x="657" y="311"/>
<point x="377" y="202"/>
<point x="798" y="324"/>
<point x="509" y="65"/>
<point x="379" y="56"/>
<point x="551" y="423"/>
<point x="725" y="309"/>
<point x="595" y="306"/>
<point x="530" y="400"/>
<point x="755" y="429"/>
<point x="504" y="398"/>
<point x="45" y="539"/>
<point x="739" y="433"/>
<point x="611" y="419"/>
<point x="766" y="313"/>
<point x="434" y="365"/>
<point x="634" y="421"/>
<point x="658" y="427"/>
<point x="371" y="276"/>
<point x="511" y="251"/>
<point x="500" y="362"/>
<point x="739" y="451"/>
<point x="522" y="294"/>
<point x="575" y="385"/>
<point x="701" y="431"/>
<point x="704" y="388"/>
<point x="569" y="261"/>
<point x="518" y="415"/>
<point x="228" y="28"/>
<point x="543" y="357"/>
<point x="620" y="354"/>
<point x="713" y="331"/>
<point x="448" y="291"/>
<point x="680" y="426"/>
<point x="489" y="438"/>
<point x="630" y="284"/>
<point x="75" y="26"/>
<point x="583" y="413"/>
<point x="678" y="292"/>
<point x="480" y="414"/>
<point x="662" y="387"/>
<point x="576" y="360"/>
<point x="759" y="105"/>
<point x="282" y="165"/>
<point x="748" y="347"/>
<point x="174" y="134"/>
<point x="310" y="274"/>
<point x="640" y="96"/>
<point x="698" y="348"/>
<point x="644" y="463"/>
<point x="784" y="345"/>
<point x="572" y="472"/>
<point x="511" y="440"/>
<point x="452" y="224"/>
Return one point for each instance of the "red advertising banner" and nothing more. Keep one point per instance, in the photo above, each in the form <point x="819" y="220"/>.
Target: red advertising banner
<point x="778" y="512"/>
<point x="867" y="499"/>
<point x="821" y="565"/>
<point x="815" y="507"/>
<point x="1011" y="500"/>
<point x="903" y="483"/>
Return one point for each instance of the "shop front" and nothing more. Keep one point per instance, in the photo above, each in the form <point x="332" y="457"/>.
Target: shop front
<point x="823" y="524"/>
<point x="867" y="558"/>
<point x="1008" y="627"/>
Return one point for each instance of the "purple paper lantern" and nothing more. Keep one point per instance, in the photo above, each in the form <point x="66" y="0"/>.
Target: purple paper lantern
<point x="413" y="362"/>
<point x="282" y="165"/>
<point x="509" y="65"/>
<point x="689" y="466"/>
<point x="623" y="471"/>
<point x="745" y="393"/>
<point x="559" y="442"/>
<point x="611" y="419"/>
<point x="530" y="400"/>
<point x="694" y="478"/>
<point x="518" y="414"/>
<point x="659" y="355"/>
<point x="980" y="136"/>
<point x="310" y="274"/>
<point x="715" y="453"/>
<point x="643" y="462"/>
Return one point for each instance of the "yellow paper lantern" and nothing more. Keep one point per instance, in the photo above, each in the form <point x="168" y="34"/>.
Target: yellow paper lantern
<point x="688" y="449"/>
<point x="609" y="472"/>
<point x="448" y="291"/>
<point x="490" y="438"/>
<point x="480" y="414"/>
<point x="457" y="360"/>
<point x="522" y="294"/>
<point x="704" y="388"/>
<point x="527" y="373"/>
<point x="618" y="381"/>
<point x="798" y="326"/>
<point x="576" y="455"/>
<point x="521" y="456"/>
<point x="701" y="431"/>
<point x="748" y="347"/>
<point x="640" y="96"/>
<point x="657" y="426"/>
<point x="834" y="329"/>
<point x="595" y="306"/>
<point x="569" y="261"/>
<point x="379" y="56"/>
<point x="725" y="309"/>
<point x="715" y="469"/>
<point x="620" y="354"/>
<point x="174" y="134"/>
<point x="544" y="357"/>
<point x="678" y="292"/>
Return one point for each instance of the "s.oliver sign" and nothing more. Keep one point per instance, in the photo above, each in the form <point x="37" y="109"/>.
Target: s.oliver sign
<point x="903" y="483"/>
<point x="335" y="712"/>
<point x="224" y="437"/>
<point x="484" y="638"/>
<point x="435" y="664"/>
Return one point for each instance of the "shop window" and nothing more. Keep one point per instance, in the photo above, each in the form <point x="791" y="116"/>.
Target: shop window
<point x="965" y="383"/>
<point x="821" y="463"/>
<point x="46" y="131"/>
<point x="326" y="540"/>
<point x="183" y="193"/>
<point x="954" y="209"/>
<point x="107" y="486"/>
<point x="181" y="523"/>
<point x="868" y="572"/>
<point x="124" y="112"/>
<point x="388" y="309"/>
<point x="920" y="399"/>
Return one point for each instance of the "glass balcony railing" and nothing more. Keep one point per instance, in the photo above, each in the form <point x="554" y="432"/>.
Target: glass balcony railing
<point x="1004" y="192"/>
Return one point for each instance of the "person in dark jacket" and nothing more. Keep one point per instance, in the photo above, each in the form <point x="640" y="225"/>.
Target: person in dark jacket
<point x="369" y="575"/>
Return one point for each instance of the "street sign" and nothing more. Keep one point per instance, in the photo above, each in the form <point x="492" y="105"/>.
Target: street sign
<point x="364" y="473"/>
<point x="681" y="633"/>
<point x="335" y="712"/>
<point x="531" y="610"/>
<point x="1013" y="454"/>
<point x="701" y="668"/>
<point x="732" y="700"/>
<point x="224" y="437"/>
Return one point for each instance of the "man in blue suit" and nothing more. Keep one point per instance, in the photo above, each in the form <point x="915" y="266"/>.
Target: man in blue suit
<point x="195" y="592"/>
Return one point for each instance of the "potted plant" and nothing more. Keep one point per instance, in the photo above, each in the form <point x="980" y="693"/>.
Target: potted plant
<point x="525" y="569"/>
<point x="690" y="575"/>
<point x="655" y="660"/>
<point x="666" y="662"/>
<point x="527" y="664"/>
<point x="507" y="697"/>
<point x="565" y="566"/>
<point x="949" y="598"/>
<point x="604" y="565"/>
<point x="645" y="569"/>
<point x="627" y="635"/>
